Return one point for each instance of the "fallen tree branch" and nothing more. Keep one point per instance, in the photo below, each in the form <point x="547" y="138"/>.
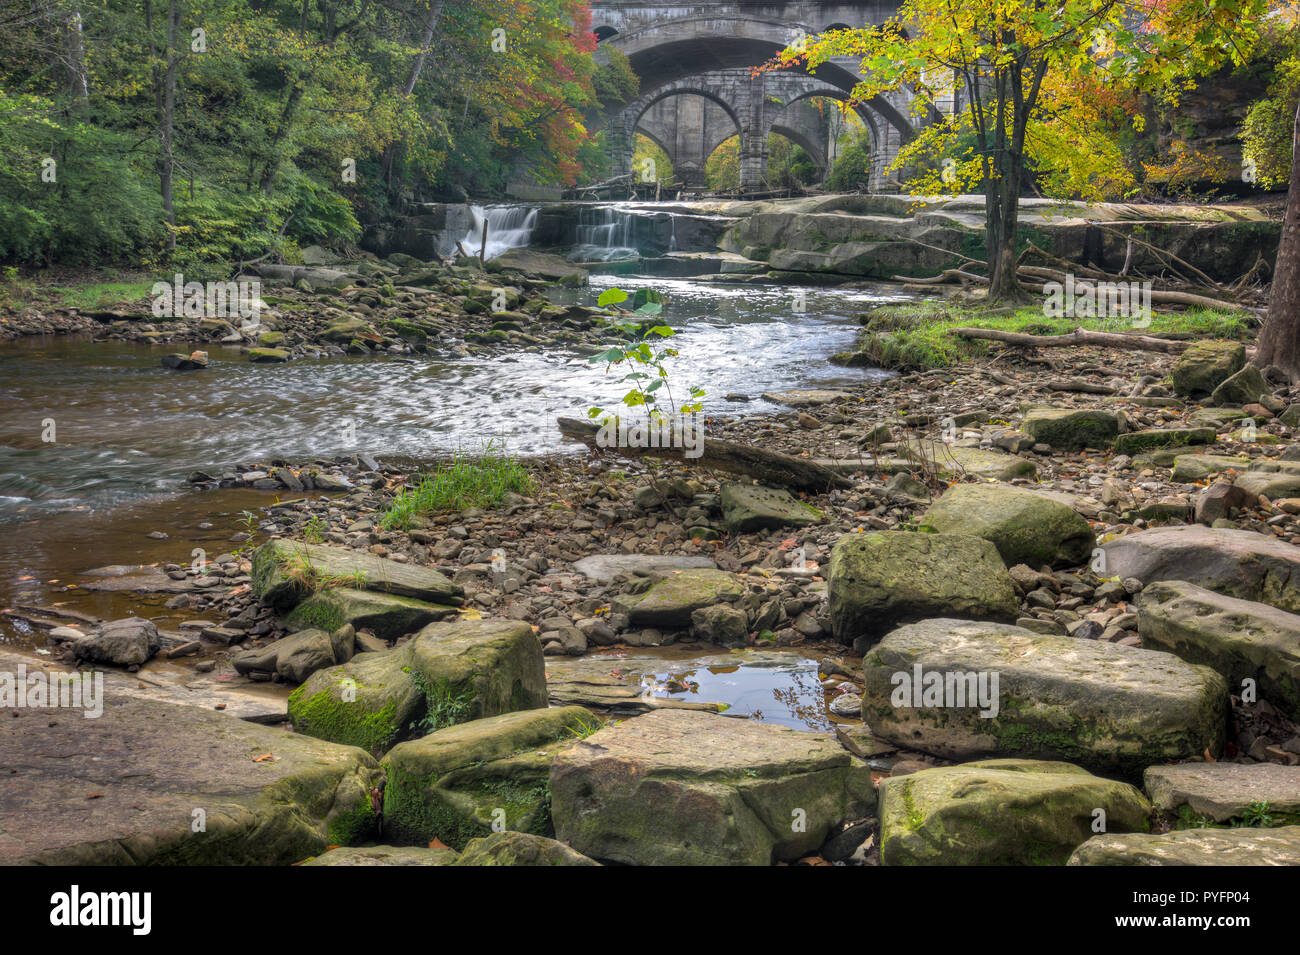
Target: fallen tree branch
<point x="1211" y="283"/>
<point x="770" y="467"/>
<point x="1080" y="336"/>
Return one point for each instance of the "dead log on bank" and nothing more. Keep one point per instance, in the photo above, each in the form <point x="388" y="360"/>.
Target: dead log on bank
<point x="769" y="467"/>
<point x="1080" y="336"/>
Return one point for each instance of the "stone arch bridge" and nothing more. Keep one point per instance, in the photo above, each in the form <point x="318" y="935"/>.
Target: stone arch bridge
<point x="697" y="88"/>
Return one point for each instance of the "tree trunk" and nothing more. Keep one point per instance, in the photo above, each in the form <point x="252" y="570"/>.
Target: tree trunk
<point x="166" y="126"/>
<point x="417" y="66"/>
<point x="1279" y="341"/>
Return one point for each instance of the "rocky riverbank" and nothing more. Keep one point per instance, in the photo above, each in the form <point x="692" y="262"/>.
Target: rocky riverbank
<point x="1112" y="533"/>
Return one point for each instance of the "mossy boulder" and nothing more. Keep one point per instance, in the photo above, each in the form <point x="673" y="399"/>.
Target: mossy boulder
<point x="371" y="701"/>
<point x="1227" y="793"/>
<point x="671" y="599"/>
<point x="748" y="507"/>
<point x="882" y="578"/>
<point x="1243" y="388"/>
<point x="1270" y="484"/>
<point x="1025" y="527"/>
<point x="1238" y="563"/>
<point x="1194" y="847"/>
<point x="1239" y="639"/>
<point x="458" y="783"/>
<point x="268" y="796"/>
<point x="448" y="673"/>
<point x="285" y="572"/>
<point x="967" y="690"/>
<point x="384" y="615"/>
<point x="520" y="848"/>
<point x="1072" y="429"/>
<point x="344" y="329"/>
<point x="676" y="787"/>
<point x="1190" y="468"/>
<point x="1135" y="442"/>
<point x="1206" y="365"/>
<point x="267" y="356"/>
<point x="1001" y="812"/>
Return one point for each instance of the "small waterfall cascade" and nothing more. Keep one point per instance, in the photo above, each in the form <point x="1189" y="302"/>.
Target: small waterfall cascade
<point x="605" y="233"/>
<point x="509" y="227"/>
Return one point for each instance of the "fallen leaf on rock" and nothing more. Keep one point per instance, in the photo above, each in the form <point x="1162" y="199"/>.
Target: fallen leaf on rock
<point x="436" y="843"/>
<point x="263" y="758"/>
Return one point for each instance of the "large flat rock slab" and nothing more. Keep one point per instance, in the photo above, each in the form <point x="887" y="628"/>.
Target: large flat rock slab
<point x="282" y="569"/>
<point x="603" y="568"/>
<point x="384" y="856"/>
<point x="681" y="788"/>
<point x="1240" y="639"/>
<point x="1238" y="563"/>
<point x="1000" y="812"/>
<point x="1194" y="847"/>
<point x="127" y="788"/>
<point x="882" y="578"/>
<point x="669" y="602"/>
<point x="1106" y="707"/>
<point x="1220" y="792"/>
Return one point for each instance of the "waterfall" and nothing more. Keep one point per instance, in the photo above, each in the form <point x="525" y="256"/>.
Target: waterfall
<point x="509" y="227"/>
<point x="605" y="233"/>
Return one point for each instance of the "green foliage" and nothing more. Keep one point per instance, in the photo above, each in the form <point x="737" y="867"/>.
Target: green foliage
<point x="636" y="351"/>
<point x="851" y="170"/>
<point x="649" y="162"/>
<point x="614" y="81"/>
<point x="1268" y="131"/>
<point x="462" y="482"/>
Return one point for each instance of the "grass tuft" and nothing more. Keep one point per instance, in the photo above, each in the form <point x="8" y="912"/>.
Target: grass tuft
<point x="464" y="481"/>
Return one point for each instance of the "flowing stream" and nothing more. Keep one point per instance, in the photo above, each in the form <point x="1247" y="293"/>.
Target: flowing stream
<point x="126" y="432"/>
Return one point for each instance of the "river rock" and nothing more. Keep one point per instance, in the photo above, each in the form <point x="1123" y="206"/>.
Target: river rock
<point x="299" y="655"/>
<point x="721" y="624"/>
<point x="1107" y="707"/>
<point x="127" y="642"/>
<point x="1194" y="847"/>
<point x="1000" y="812"/>
<point x="602" y="568"/>
<point x="676" y="787"/>
<point x="1189" y="468"/>
<point x="1238" y="563"/>
<point x="748" y="507"/>
<point x="150" y="765"/>
<point x="669" y="602"/>
<point x="1025" y="527"/>
<point x="267" y="356"/>
<point x="881" y="578"/>
<point x="457" y="783"/>
<point x="1242" y="388"/>
<point x="344" y="329"/>
<point x="384" y="615"/>
<point x="1240" y="639"/>
<point x="279" y="569"/>
<point x="1135" y="442"/>
<point x="541" y="264"/>
<point x="384" y="856"/>
<point x="520" y="848"/>
<point x="1071" y="429"/>
<point x="448" y="673"/>
<point x="953" y="462"/>
<point x="1220" y="792"/>
<point x="1272" y="485"/>
<point x="1203" y="366"/>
